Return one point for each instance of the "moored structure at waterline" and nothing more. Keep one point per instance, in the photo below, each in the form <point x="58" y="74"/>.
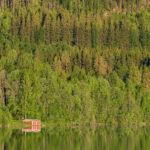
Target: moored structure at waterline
<point x="32" y="122"/>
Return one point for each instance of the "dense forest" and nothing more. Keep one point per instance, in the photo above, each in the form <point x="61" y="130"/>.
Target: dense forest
<point x="75" y="61"/>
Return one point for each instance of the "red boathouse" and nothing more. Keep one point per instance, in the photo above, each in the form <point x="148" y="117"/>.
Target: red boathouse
<point x="33" y="122"/>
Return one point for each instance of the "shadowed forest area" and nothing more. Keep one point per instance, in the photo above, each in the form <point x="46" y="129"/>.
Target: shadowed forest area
<point x="81" y="61"/>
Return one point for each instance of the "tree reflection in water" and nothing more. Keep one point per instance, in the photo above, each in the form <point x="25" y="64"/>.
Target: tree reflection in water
<point x="78" y="138"/>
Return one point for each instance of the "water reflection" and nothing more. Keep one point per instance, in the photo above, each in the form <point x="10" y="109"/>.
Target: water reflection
<point x="32" y="129"/>
<point x="79" y="138"/>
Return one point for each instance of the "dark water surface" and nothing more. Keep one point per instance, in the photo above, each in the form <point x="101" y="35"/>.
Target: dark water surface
<point x="79" y="138"/>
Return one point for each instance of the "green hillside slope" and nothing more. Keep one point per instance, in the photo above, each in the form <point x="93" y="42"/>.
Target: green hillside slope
<point x="75" y="61"/>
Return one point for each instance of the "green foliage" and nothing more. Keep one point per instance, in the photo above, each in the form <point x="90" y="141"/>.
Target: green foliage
<point x="94" y="35"/>
<point x="33" y="86"/>
<point x="5" y="25"/>
<point x="90" y="23"/>
<point x="75" y="61"/>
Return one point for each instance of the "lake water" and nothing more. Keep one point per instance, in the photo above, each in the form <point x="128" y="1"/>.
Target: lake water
<point x="77" y="138"/>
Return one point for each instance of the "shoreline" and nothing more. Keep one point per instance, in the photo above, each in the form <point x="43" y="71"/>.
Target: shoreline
<point x="75" y="124"/>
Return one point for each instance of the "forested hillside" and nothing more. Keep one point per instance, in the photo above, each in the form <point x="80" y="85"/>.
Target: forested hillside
<point x="78" y="61"/>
